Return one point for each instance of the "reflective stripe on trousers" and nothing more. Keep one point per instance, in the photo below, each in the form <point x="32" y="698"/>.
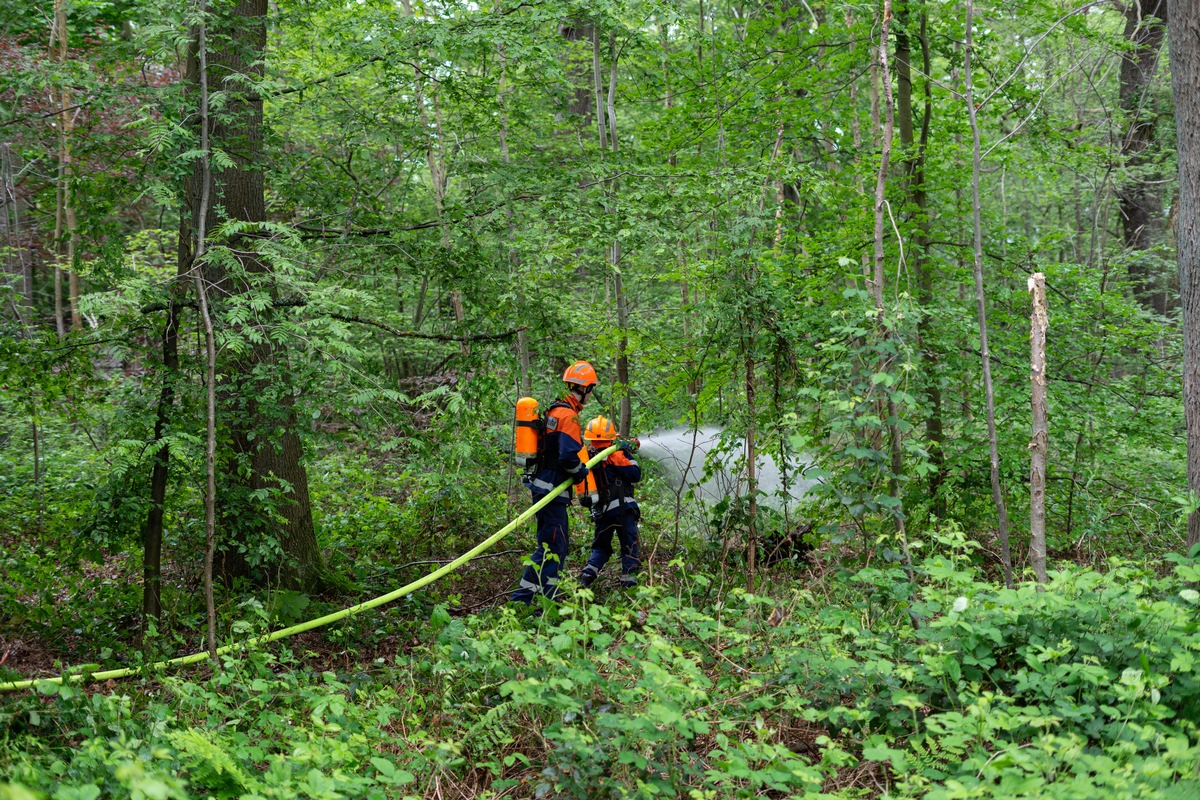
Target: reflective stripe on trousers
<point x="541" y="576"/>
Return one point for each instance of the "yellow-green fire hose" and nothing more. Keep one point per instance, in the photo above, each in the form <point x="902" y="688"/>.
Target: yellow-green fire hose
<point x="345" y="613"/>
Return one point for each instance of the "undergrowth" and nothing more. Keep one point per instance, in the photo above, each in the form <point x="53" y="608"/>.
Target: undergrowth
<point x="1088" y="689"/>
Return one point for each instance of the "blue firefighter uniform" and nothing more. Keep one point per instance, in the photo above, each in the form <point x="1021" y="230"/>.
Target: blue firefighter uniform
<point x="559" y="460"/>
<point x="617" y="513"/>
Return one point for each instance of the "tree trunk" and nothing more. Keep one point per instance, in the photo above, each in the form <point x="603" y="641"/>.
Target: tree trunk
<point x="581" y="101"/>
<point x="514" y="255"/>
<point x="597" y="90"/>
<point x="1140" y="196"/>
<point x="1184" y="45"/>
<point x="893" y="419"/>
<point x="210" y="347"/>
<point x="273" y="459"/>
<point x="981" y="308"/>
<point x="751" y="474"/>
<point x="37" y="468"/>
<point x="17" y="261"/>
<point x="618" y="280"/>
<point x="1040" y="444"/>
<point x="152" y="535"/>
<point x="914" y="172"/>
<point x="608" y="141"/>
<point x="61" y="199"/>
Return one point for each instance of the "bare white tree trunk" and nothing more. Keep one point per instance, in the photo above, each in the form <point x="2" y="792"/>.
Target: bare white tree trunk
<point x="1040" y="444"/>
<point x="981" y="307"/>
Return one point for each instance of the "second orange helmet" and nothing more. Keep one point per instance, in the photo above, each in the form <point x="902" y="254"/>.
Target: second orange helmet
<point x="600" y="429"/>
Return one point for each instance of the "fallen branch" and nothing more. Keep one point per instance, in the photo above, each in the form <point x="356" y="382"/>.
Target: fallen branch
<point x="441" y="337"/>
<point x="299" y="303"/>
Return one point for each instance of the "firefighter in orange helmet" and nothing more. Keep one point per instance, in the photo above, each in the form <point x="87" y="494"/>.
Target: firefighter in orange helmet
<point x="558" y="459"/>
<point x="617" y="512"/>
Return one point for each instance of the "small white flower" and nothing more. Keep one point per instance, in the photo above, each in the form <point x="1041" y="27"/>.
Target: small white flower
<point x="960" y="605"/>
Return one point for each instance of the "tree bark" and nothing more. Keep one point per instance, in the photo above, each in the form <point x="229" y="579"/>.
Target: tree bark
<point x="615" y="253"/>
<point x="37" y="468"/>
<point x="17" y="261"/>
<point x="914" y="172"/>
<point x="981" y="306"/>
<point x="581" y="101"/>
<point x="1184" y="43"/>
<point x="210" y="347"/>
<point x="893" y="418"/>
<point x="273" y="459"/>
<point x="751" y="474"/>
<point x="514" y="255"/>
<point x="597" y="91"/>
<point x="1040" y="445"/>
<point x="153" y="533"/>
<point x="1140" y="196"/>
<point x="61" y="191"/>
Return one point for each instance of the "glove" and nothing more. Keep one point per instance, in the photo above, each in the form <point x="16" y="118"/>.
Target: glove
<point x="630" y="445"/>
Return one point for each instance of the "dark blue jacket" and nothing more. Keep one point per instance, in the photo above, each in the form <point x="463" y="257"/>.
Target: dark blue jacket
<point x="563" y="436"/>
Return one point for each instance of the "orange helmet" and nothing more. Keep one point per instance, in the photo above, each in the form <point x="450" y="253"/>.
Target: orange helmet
<point x="600" y="429"/>
<point x="581" y="373"/>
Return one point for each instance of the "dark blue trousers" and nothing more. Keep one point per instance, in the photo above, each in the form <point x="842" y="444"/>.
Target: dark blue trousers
<point x="623" y="523"/>
<point x="548" y="557"/>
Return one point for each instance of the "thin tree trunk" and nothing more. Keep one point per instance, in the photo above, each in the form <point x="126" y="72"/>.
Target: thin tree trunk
<point x="914" y="170"/>
<point x="419" y="311"/>
<point x="626" y="416"/>
<point x="1184" y="44"/>
<point x="456" y="303"/>
<point x="37" y="467"/>
<point x="72" y="243"/>
<point x="210" y="377"/>
<point x="751" y="474"/>
<point x="514" y="255"/>
<point x="58" y="36"/>
<point x="1040" y="444"/>
<point x="17" y="255"/>
<point x="893" y="421"/>
<point x="65" y="212"/>
<point x="981" y="307"/>
<point x="152" y="536"/>
<point x="598" y="91"/>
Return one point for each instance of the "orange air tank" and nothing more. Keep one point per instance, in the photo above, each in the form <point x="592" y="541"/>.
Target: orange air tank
<point x="525" y="444"/>
<point x="585" y="491"/>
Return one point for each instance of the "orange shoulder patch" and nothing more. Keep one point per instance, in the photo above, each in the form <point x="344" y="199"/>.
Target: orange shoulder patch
<point x="619" y="459"/>
<point x="568" y="423"/>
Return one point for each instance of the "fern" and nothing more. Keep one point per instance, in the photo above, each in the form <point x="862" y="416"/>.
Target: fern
<point x="933" y="756"/>
<point x="211" y="765"/>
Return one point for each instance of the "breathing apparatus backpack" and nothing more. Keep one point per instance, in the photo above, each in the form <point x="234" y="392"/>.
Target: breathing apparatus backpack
<point x="530" y="448"/>
<point x="527" y="434"/>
